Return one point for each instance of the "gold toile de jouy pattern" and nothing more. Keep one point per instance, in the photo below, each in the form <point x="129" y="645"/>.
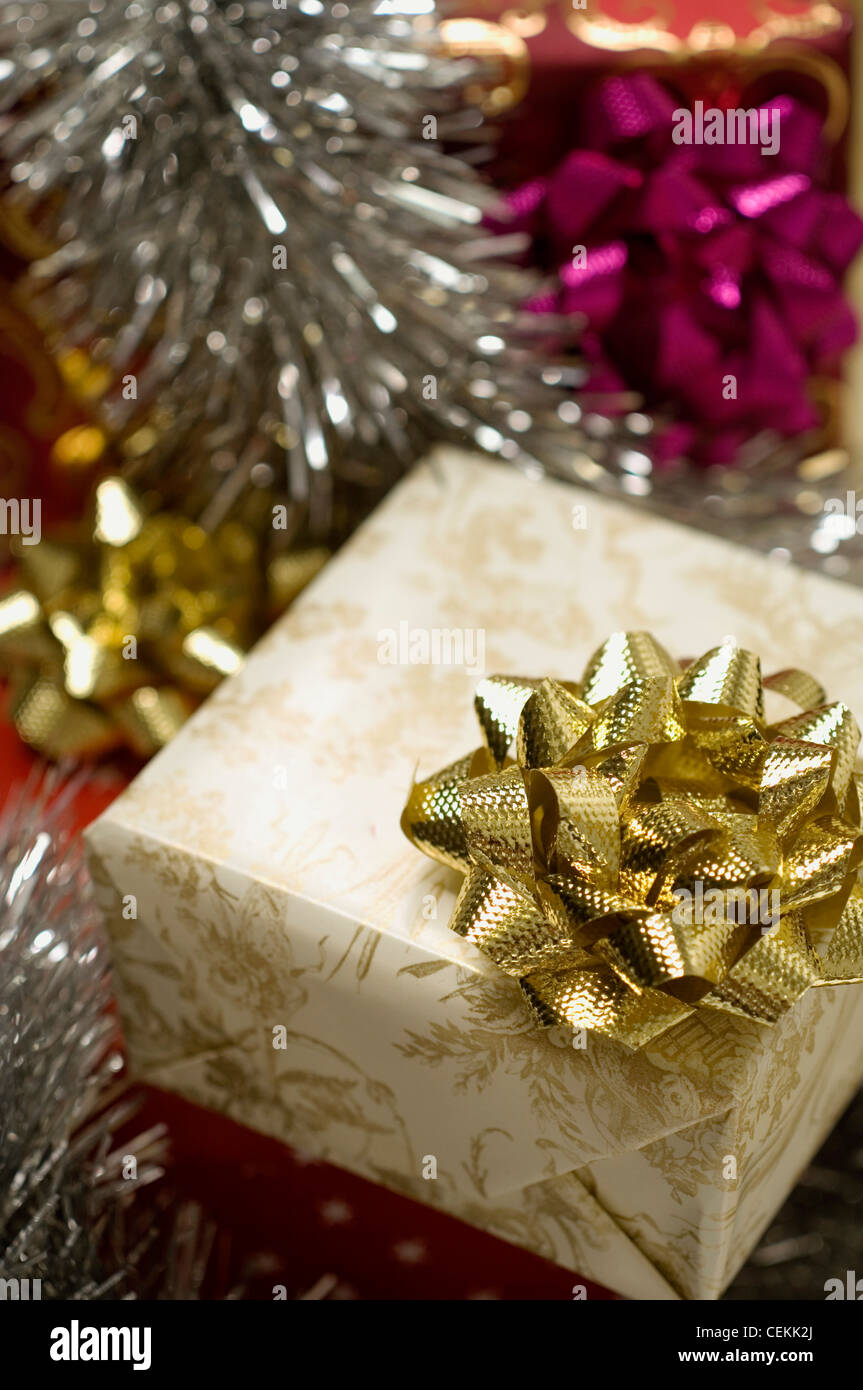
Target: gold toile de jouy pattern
<point x="275" y="901"/>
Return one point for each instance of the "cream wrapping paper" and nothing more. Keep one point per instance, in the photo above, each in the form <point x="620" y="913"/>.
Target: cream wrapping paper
<point x="259" y="891"/>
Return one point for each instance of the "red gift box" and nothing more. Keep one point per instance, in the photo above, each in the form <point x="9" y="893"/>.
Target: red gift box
<point x="540" y="55"/>
<point x="725" y="314"/>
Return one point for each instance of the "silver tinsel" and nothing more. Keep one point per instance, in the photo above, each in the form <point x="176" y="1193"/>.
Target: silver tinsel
<point x="62" y="1186"/>
<point x="251" y="223"/>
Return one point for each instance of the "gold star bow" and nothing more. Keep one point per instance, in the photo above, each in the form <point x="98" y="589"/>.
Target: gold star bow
<point x="643" y="843"/>
<point x="114" y="637"/>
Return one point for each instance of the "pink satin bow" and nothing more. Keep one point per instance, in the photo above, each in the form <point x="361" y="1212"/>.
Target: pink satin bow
<point x="711" y="274"/>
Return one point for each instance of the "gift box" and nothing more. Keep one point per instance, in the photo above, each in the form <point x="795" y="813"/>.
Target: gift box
<point x="541" y="58"/>
<point x="701" y="270"/>
<point x="283" y="953"/>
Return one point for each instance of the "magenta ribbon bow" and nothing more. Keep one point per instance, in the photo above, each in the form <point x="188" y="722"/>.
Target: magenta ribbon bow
<point x="711" y="277"/>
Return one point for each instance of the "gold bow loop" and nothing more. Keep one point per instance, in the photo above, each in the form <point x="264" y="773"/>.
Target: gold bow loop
<point x="644" y="843"/>
<point x="117" y="632"/>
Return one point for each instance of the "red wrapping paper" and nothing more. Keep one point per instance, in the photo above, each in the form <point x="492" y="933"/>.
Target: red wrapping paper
<point x="686" y="40"/>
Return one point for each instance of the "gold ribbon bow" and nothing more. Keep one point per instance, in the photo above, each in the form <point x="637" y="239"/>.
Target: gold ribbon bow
<point x="655" y="846"/>
<point x="114" y="639"/>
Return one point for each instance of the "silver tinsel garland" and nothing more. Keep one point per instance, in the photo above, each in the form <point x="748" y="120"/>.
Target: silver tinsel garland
<point x="286" y="280"/>
<point x="63" y="1190"/>
<point x="283" y="283"/>
<point x="73" y="1221"/>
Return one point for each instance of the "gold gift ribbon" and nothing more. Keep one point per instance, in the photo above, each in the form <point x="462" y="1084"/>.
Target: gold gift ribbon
<point x="113" y="638"/>
<point x="600" y="817"/>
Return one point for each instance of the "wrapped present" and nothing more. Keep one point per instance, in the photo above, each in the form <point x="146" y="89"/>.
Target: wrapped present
<point x="681" y="182"/>
<point x="625" y="1094"/>
<point x="540" y="60"/>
